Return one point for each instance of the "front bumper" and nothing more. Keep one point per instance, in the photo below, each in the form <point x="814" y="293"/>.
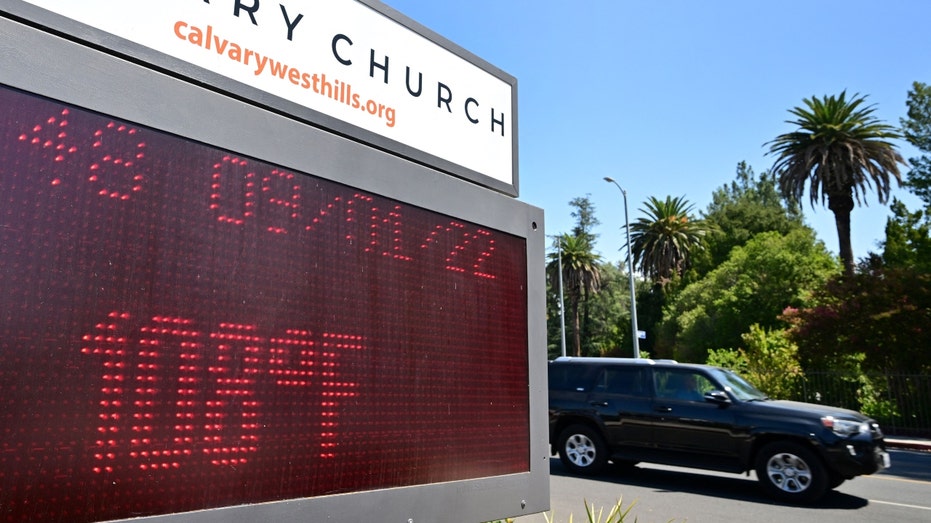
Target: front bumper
<point x="857" y="457"/>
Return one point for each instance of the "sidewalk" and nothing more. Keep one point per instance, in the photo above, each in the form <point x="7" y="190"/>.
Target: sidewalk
<point x="903" y="443"/>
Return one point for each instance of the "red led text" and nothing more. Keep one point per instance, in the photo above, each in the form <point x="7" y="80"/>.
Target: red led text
<point x="239" y="193"/>
<point x="172" y="392"/>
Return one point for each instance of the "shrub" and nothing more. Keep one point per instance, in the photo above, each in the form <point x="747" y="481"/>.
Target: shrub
<point x="769" y="360"/>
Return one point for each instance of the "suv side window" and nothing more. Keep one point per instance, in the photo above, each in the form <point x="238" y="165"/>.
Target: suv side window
<point x="628" y="381"/>
<point x="681" y="385"/>
<point x="568" y="378"/>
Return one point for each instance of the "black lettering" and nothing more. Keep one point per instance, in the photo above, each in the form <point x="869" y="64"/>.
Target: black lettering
<point x="373" y="65"/>
<point x="441" y="98"/>
<point x="471" y="101"/>
<point x="340" y="59"/>
<point x="419" y="83"/>
<point x="287" y="20"/>
<point x="251" y="10"/>
<point x="493" y="121"/>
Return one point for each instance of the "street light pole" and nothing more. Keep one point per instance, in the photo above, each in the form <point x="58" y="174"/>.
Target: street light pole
<point x="630" y="273"/>
<point x="562" y="304"/>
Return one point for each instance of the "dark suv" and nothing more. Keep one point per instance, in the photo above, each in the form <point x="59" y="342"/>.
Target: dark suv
<point x="640" y="410"/>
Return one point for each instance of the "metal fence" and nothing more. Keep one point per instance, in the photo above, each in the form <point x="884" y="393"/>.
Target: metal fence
<point x="901" y="403"/>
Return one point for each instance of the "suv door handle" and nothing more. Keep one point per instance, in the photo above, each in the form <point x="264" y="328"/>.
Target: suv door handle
<point x="599" y="403"/>
<point x="662" y="408"/>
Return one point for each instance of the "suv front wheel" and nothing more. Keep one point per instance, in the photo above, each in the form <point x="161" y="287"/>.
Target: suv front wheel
<point x="582" y="450"/>
<point x="791" y="472"/>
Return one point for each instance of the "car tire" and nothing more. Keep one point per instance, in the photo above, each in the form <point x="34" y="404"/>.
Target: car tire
<point x="790" y="471"/>
<point x="582" y="450"/>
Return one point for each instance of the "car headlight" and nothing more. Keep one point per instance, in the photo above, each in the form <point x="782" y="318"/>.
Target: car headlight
<point x="844" y="427"/>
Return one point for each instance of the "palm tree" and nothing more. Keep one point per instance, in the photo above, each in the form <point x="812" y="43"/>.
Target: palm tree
<point x="662" y="240"/>
<point x="580" y="276"/>
<point x="840" y="150"/>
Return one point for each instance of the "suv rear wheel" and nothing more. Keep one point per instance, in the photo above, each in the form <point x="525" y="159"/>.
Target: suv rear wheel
<point x="791" y="472"/>
<point x="582" y="450"/>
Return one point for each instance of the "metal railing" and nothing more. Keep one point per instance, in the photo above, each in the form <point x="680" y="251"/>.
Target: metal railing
<point x="901" y="403"/>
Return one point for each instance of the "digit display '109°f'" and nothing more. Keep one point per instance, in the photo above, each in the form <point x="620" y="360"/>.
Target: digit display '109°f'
<point x="182" y="327"/>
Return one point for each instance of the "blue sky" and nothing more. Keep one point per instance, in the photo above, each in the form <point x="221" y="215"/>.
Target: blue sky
<point x="667" y="97"/>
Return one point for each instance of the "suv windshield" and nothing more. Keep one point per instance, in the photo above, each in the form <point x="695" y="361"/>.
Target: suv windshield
<point x="736" y="385"/>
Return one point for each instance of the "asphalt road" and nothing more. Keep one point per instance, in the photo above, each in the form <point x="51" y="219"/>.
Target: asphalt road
<point x="901" y="493"/>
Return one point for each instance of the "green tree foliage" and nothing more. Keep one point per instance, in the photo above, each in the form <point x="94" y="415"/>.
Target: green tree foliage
<point x="767" y="358"/>
<point x="908" y="239"/>
<point x="756" y="283"/>
<point x="750" y="205"/>
<point x="917" y="130"/>
<point x="609" y="309"/>
<point x="840" y="151"/>
<point x="580" y="277"/>
<point x="608" y="333"/>
<point x="663" y="240"/>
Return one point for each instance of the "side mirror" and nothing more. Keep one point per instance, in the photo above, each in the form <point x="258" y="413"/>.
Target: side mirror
<point x="717" y="396"/>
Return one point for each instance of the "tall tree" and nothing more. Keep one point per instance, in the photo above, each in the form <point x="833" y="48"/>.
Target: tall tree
<point x="839" y="151"/>
<point x="585" y="220"/>
<point x="878" y="316"/>
<point x="749" y="205"/>
<point x="756" y="283"/>
<point x="580" y="275"/>
<point x="908" y="239"/>
<point x="917" y="130"/>
<point x="662" y="241"/>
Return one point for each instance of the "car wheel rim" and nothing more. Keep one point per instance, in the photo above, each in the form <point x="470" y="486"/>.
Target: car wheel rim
<point x="580" y="450"/>
<point x="789" y="473"/>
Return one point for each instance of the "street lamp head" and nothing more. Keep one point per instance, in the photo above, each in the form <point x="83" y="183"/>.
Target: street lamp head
<point x="612" y="180"/>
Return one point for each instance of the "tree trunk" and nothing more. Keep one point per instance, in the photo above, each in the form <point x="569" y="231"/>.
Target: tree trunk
<point x="841" y="205"/>
<point x="576" y="335"/>
<point x="585" y="321"/>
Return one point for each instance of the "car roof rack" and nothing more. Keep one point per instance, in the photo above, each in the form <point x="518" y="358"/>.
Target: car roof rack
<point x="594" y="359"/>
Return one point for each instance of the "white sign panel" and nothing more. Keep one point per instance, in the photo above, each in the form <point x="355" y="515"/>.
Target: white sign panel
<point x="338" y="57"/>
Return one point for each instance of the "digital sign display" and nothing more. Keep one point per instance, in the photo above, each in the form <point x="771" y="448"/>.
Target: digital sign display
<point x="183" y="327"/>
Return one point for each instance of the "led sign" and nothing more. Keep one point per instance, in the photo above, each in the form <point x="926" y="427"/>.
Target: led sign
<point x="184" y="327"/>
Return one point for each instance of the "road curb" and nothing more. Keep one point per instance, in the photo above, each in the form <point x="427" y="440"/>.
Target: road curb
<point x="908" y="444"/>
